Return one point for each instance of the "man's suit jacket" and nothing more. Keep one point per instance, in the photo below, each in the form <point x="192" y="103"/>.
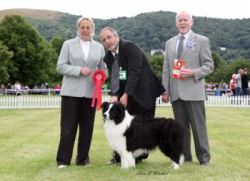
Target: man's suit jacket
<point x="198" y="58"/>
<point x="70" y="63"/>
<point x="244" y="81"/>
<point x="142" y="84"/>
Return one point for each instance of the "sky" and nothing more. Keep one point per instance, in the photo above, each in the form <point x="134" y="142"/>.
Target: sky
<point x="106" y="9"/>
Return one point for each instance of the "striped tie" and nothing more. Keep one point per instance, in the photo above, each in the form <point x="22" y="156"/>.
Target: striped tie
<point x="115" y="82"/>
<point x="180" y="47"/>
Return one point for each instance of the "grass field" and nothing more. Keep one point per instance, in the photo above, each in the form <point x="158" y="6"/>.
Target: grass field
<point x="29" y="140"/>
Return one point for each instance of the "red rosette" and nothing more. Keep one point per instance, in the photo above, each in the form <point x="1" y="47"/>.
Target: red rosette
<point x="99" y="75"/>
<point x="98" y="78"/>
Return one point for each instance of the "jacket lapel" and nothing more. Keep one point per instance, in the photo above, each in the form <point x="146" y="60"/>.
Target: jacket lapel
<point x="91" y="52"/>
<point x="79" y="49"/>
<point x="175" y="45"/>
<point x="189" y="45"/>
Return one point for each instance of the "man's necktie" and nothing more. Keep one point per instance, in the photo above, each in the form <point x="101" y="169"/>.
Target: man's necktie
<point x="115" y="82"/>
<point x="180" y="47"/>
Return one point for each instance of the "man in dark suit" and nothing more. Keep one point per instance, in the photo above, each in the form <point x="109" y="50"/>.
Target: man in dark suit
<point x="187" y="93"/>
<point x="244" y="82"/>
<point x="138" y="86"/>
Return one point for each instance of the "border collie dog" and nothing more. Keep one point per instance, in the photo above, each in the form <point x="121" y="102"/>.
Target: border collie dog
<point x="131" y="136"/>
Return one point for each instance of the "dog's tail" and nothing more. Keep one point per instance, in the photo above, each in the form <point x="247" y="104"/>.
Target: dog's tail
<point x="181" y="161"/>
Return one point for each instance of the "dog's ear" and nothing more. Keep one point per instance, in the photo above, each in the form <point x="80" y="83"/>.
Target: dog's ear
<point x="120" y="112"/>
<point x="122" y="107"/>
<point x="104" y="104"/>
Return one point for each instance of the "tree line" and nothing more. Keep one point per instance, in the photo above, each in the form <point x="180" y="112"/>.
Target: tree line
<point x="29" y="57"/>
<point x="151" y="30"/>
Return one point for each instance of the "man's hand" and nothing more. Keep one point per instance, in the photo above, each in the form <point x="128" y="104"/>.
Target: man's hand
<point x="165" y="98"/>
<point x="113" y="99"/>
<point x="185" y="73"/>
<point x="124" y="99"/>
<point x="86" y="71"/>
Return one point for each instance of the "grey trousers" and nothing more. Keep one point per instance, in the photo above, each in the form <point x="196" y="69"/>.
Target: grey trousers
<point x="192" y="114"/>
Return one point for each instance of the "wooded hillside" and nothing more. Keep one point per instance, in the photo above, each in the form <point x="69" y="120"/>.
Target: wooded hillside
<point x="149" y="30"/>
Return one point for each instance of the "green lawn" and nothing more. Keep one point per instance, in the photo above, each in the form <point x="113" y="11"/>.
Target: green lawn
<point x="29" y="140"/>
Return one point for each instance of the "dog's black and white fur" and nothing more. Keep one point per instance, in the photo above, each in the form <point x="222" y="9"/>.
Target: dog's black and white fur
<point x="131" y="137"/>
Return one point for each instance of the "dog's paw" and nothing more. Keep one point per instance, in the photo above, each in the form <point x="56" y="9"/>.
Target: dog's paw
<point x="181" y="161"/>
<point x="124" y="166"/>
<point x="175" y="166"/>
<point x="127" y="165"/>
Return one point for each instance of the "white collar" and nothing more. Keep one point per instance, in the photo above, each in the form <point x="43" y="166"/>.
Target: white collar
<point x="187" y="35"/>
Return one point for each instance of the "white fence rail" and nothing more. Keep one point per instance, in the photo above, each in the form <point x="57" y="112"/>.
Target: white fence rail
<point x="21" y="102"/>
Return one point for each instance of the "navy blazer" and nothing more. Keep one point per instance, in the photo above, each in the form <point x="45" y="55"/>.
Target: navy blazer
<point x="141" y="83"/>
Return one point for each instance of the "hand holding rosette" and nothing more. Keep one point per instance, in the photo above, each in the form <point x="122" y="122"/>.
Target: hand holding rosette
<point x="178" y="64"/>
<point x="99" y="78"/>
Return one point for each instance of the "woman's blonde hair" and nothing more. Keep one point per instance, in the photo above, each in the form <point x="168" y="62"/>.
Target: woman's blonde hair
<point x="88" y="19"/>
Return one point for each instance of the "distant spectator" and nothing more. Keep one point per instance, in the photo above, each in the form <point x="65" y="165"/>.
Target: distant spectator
<point x="233" y="84"/>
<point x="238" y="83"/>
<point x="25" y="89"/>
<point x="209" y="86"/>
<point x="215" y="86"/>
<point x="43" y="89"/>
<point x="223" y="86"/>
<point x="244" y="82"/>
<point x="35" y="89"/>
<point x="9" y="86"/>
<point x="46" y="85"/>
<point x="2" y="89"/>
<point x="17" y="88"/>
<point x="57" y="89"/>
<point x="248" y="87"/>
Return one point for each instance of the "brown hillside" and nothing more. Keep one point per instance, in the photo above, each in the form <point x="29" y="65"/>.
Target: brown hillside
<point x="33" y="13"/>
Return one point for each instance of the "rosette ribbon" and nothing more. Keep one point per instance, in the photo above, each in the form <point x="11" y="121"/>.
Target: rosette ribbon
<point x="98" y="78"/>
